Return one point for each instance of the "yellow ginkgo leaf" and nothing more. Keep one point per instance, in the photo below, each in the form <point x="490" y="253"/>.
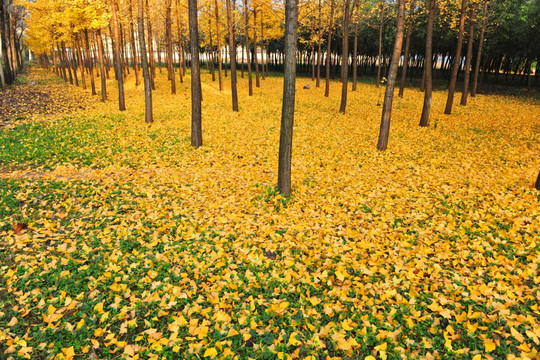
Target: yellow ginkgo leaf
<point x="210" y="352"/>
<point x="489" y="345"/>
<point x="293" y="340"/>
<point x="13" y="321"/>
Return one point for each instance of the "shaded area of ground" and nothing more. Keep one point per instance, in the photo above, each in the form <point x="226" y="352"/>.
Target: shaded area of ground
<point x="37" y="94"/>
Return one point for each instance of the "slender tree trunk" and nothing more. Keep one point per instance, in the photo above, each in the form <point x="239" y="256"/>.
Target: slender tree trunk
<point x="81" y="62"/>
<point x="121" y="98"/>
<point x="89" y="62"/>
<point x="355" y="57"/>
<point x="218" y="32"/>
<point x="329" y="51"/>
<point x="243" y="49"/>
<point x="102" y="66"/>
<point x="392" y="75"/>
<point x="379" y="57"/>
<point x="345" y="56"/>
<point x="133" y="47"/>
<point x="62" y="63"/>
<point x="66" y="61"/>
<point x="250" y="77"/>
<point x="468" y="61"/>
<point x="479" y="53"/>
<point x="74" y="64"/>
<point x="150" y="47"/>
<point x="287" y="112"/>
<point x="255" y="56"/>
<point x="232" y="45"/>
<point x="168" y="34"/>
<point x="180" y="44"/>
<point x="148" y="114"/>
<point x="457" y="60"/>
<point x="196" y="91"/>
<point x="537" y="185"/>
<point x="406" y="55"/>
<point x="319" y="52"/>
<point x="424" y="118"/>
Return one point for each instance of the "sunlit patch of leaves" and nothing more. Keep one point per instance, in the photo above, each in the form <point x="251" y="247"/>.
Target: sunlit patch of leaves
<point x="135" y="245"/>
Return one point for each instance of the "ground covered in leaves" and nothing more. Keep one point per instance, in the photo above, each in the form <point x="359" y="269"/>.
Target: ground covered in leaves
<point x="120" y="241"/>
<point x="36" y="95"/>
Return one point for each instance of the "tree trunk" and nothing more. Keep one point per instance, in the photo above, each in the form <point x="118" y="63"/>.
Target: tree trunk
<point x="287" y="112"/>
<point x="392" y="75"/>
<point x="467" y="75"/>
<point x="168" y="35"/>
<point x="255" y="56"/>
<point x="148" y="113"/>
<point x="89" y="62"/>
<point x="74" y="64"/>
<point x="81" y="62"/>
<point x="66" y="61"/>
<point x="537" y="185"/>
<point x="180" y="44"/>
<point x="133" y="47"/>
<point x="479" y="53"/>
<point x="120" y="80"/>
<point x="101" y="66"/>
<point x="319" y="53"/>
<point x="150" y="47"/>
<point x="406" y="55"/>
<point x="457" y="60"/>
<point x="218" y="45"/>
<point x="250" y="77"/>
<point x="328" y="52"/>
<point x="345" y="56"/>
<point x="424" y="118"/>
<point x="355" y="57"/>
<point x="196" y="91"/>
<point x="380" y="44"/>
<point x="232" y="45"/>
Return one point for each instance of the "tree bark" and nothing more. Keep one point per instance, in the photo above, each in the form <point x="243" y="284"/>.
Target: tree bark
<point x="168" y="35"/>
<point x="319" y="53"/>
<point x="537" y="185"/>
<point x="246" y="18"/>
<point x="101" y="66"/>
<point x="150" y="47"/>
<point x="255" y="55"/>
<point x="81" y="62"/>
<point x="479" y="53"/>
<point x="424" y="118"/>
<point x="328" y="52"/>
<point x="380" y="45"/>
<point x="468" y="61"/>
<point x="232" y="45"/>
<point x="120" y="79"/>
<point x="457" y="60"/>
<point x="148" y="113"/>
<point x="196" y="90"/>
<point x="345" y="56"/>
<point x="220" y="77"/>
<point x="89" y="62"/>
<point x="392" y="75"/>
<point x="355" y="57"/>
<point x="406" y="55"/>
<point x="180" y="44"/>
<point x="287" y="112"/>
<point x="133" y="47"/>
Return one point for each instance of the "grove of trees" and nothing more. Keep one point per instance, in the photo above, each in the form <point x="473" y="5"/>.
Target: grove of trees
<point x="427" y="43"/>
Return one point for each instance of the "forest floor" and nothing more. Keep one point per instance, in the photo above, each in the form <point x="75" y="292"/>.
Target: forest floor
<point x="118" y="240"/>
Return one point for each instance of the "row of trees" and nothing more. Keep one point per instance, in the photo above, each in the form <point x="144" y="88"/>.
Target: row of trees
<point x="80" y="36"/>
<point x="11" y="46"/>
